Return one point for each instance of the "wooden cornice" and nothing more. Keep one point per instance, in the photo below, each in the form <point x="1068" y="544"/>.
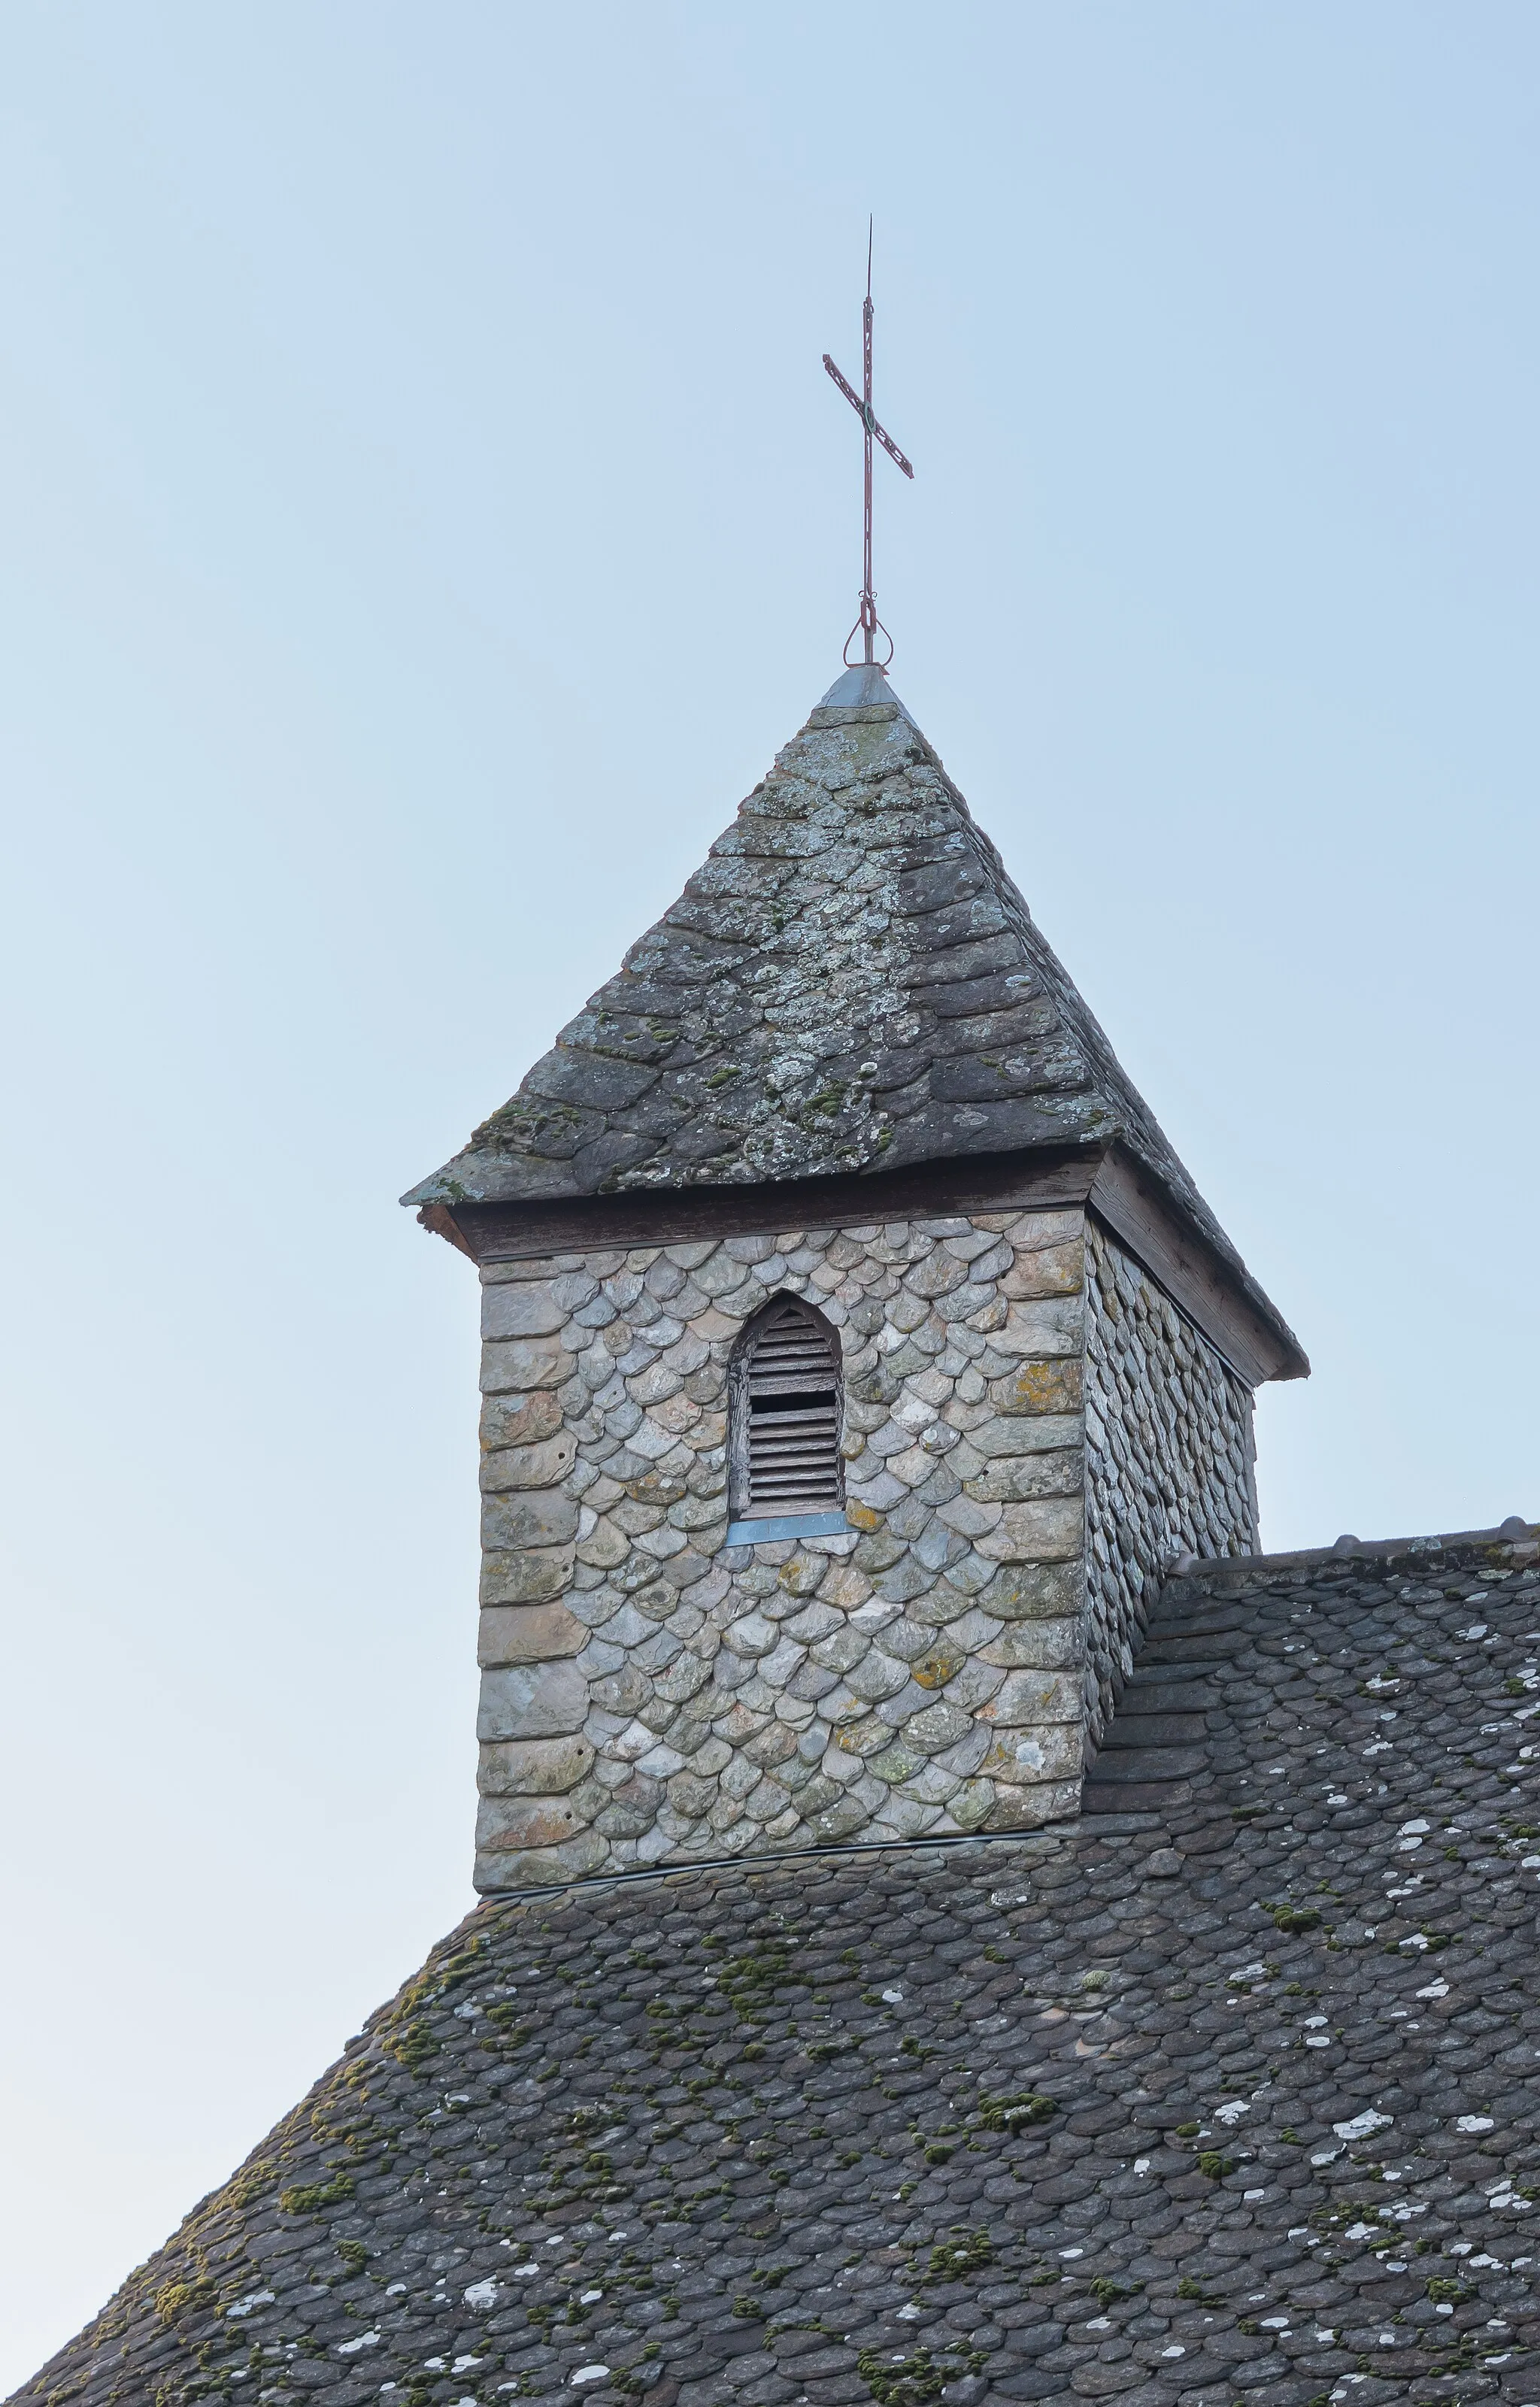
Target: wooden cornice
<point x="676" y="1215"/>
<point x="1216" y="1293"/>
<point x="1220" y="1296"/>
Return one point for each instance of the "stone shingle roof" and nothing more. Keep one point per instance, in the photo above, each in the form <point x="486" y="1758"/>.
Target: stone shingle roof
<point x="1229" y="2087"/>
<point x="850" y="982"/>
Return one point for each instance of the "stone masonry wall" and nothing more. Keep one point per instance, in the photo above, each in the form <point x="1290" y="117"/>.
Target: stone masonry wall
<point x="1170" y="1459"/>
<point x="649" y="1693"/>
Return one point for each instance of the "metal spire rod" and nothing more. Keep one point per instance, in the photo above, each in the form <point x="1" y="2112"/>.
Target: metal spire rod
<point x="868" y="625"/>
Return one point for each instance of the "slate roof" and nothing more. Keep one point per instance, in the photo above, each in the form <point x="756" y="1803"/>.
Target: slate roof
<point x="850" y="982"/>
<point x="1230" y="2089"/>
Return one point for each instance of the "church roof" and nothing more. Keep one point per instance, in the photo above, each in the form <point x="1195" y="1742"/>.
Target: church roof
<point x="850" y="982"/>
<point x="1231" y="2086"/>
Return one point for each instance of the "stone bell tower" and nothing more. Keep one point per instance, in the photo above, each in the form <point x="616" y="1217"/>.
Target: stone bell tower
<point x="856" y="1353"/>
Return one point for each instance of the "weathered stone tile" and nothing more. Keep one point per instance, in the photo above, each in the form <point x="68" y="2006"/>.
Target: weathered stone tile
<point x="526" y="1576"/>
<point x="542" y="1465"/>
<point x="527" y="1309"/>
<point x="514" y="1364"/>
<point x="525" y="1822"/>
<point x="516" y="1420"/>
<point x="1051" y="1327"/>
<point x="974" y="1683"/>
<point x="1050" y="1530"/>
<point x="1055" y="1269"/>
<point x="533" y="1767"/>
<point x="1037" y="1645"/>
<point x="528" y="1633"/>
<point x="1032" y="1698"/>
<point x="1019" y="1478"/>
<point x="1039" y="1386"/>
<point x="1017" y="1434"/>
<point x="531" y="1700"/>
<point x="540" y="1518"/>
<point x="876" y="1676"/>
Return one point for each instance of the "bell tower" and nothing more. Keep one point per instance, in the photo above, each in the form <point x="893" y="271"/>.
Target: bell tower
<point x="856" y="1353"/>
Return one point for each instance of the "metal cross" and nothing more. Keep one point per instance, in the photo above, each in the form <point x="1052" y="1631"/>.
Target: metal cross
<point x="868" y="625"/>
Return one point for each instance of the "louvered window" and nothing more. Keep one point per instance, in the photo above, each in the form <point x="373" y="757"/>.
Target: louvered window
<point x="784" y="1424"/>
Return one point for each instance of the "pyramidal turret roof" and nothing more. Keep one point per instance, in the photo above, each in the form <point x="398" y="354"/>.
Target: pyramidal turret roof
<point x="850" y="982"/>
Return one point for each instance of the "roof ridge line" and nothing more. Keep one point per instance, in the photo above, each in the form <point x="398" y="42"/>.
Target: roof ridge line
<point x="1204" y="1567"/>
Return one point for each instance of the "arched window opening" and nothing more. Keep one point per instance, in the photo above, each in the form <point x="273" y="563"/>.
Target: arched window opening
<point x="786" y="1474"/>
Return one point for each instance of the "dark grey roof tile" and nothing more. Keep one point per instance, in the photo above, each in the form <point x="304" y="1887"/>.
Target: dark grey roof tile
<point x="1046" y="1072"/>
<point x="591" y="1079"/>
<point x="618" y="1149"/>
<point x="956" y="999"/>
<point x="1012" y="1023"/>
<point x="629" y="1038"/>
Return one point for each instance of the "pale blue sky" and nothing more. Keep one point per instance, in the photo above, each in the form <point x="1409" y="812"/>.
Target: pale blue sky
<point x="422" y="514"/>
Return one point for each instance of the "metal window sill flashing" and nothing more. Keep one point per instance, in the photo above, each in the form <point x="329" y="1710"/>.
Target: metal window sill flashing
<point x="786" y="1525"/>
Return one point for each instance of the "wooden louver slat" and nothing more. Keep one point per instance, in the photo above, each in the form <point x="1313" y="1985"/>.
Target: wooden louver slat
<point x="786" y="1457"/>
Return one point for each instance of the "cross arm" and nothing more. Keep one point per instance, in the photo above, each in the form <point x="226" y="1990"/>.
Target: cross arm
<point x="866" y="418"/>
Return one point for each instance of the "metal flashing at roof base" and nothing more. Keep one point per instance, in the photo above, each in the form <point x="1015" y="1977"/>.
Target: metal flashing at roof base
<point x="788" y="1525"/>
<point x="864" y="687"/>
<point x="1024" y="1845"/>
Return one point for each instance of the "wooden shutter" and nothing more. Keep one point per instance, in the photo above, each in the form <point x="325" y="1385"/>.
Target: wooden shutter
<point x="786" y="1456"/>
